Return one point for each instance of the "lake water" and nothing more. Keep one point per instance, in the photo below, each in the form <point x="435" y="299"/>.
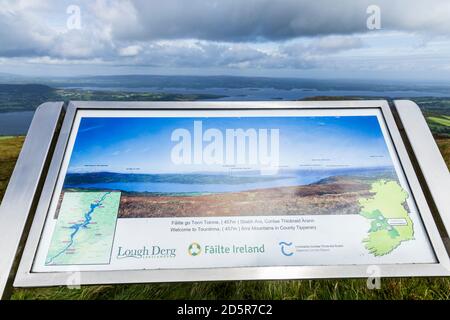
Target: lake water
<point x="15" y="123"/>
<point x="295" y="179"/>
<point x="255" y="94"/>
<point x="162" y="187"/>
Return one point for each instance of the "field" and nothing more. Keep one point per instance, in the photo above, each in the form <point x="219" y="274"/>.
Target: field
<point x="9" y="151"/>
<point x="444" y="146"/>
<point x="26" y="97"/>
<point x="401" y="288"/>
<point x="443" y="121"/>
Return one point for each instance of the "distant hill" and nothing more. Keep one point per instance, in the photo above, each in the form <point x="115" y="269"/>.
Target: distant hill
<point x="74" y="179"/>
<point x="23" y="97"/>
<point x="239" y="82"/>
<point x="19" y="96"/>
<point x="435" y="110"/>
<point x="27" y="97"/>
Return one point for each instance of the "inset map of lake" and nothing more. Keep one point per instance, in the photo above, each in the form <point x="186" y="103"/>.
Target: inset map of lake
<point x="84" y="231"/>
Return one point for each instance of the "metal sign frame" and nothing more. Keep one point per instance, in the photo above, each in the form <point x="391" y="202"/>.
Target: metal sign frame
<point x="26" y="278"/>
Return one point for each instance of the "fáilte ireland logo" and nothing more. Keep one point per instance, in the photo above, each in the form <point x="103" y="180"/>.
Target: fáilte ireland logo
<point x="194" y="249"/>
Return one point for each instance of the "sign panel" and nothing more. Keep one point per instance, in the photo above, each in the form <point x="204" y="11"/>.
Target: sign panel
<point x="148" y="189"/>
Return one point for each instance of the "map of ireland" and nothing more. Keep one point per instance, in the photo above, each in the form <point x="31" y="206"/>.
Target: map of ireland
<point x="390" y="223"/>
<point x="84" y="231"/>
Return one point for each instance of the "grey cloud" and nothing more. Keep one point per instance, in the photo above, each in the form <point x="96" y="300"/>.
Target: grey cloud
<point x="232" y="20"/>
<point x="28" y="29"/>
<point x="301" y="34"/>
<point x="199" y="54"/>
<point x="259" y="20"/>
<point x="323" y="45"/>
<point x="21" y="34"/>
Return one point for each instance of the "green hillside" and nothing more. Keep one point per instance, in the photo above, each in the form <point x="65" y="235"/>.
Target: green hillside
<point x="27" y="97"/>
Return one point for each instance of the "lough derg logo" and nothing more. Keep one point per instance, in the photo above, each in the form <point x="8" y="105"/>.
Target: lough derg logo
<point x="194" y="249"/>
<point x="146" y="252"/>
<point x="283" y="247"/>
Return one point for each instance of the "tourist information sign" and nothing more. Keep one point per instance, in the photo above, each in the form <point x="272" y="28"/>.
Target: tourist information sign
<point x="108" y="192"/>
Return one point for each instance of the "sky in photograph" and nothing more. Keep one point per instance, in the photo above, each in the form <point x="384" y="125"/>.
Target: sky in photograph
<point x="285" y="38"/>
<point x="144" y="145"/>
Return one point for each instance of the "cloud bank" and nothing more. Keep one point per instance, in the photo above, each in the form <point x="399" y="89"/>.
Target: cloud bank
<point x="258" y="34"/>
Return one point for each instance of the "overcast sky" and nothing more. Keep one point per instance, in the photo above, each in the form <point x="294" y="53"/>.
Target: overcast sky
<point x="295" y="38"/>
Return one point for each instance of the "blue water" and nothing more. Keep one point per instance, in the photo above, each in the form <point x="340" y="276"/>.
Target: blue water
<point x="295" y="180"/>
<point x="15" y="123"/>
<point x="256" y="94"/>
<point x="159" y="187"/>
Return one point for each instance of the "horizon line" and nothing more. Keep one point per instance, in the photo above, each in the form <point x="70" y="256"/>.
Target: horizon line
<point x="220" y="75"/>
<point x="306" y="168"/>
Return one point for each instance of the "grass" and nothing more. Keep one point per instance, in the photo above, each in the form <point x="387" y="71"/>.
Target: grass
<point x="403" y="288"/>
<point x="443" y="120"/>
<point x="9" y="151"/>
<point x="397" y="288"/>
<point x="444" y="146"/>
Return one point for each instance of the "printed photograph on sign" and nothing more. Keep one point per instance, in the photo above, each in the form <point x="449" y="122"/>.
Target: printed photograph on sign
<point x="295" y="185"/>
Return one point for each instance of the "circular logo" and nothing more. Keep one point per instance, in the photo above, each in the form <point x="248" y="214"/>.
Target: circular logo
<point x="194" y="249"/>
